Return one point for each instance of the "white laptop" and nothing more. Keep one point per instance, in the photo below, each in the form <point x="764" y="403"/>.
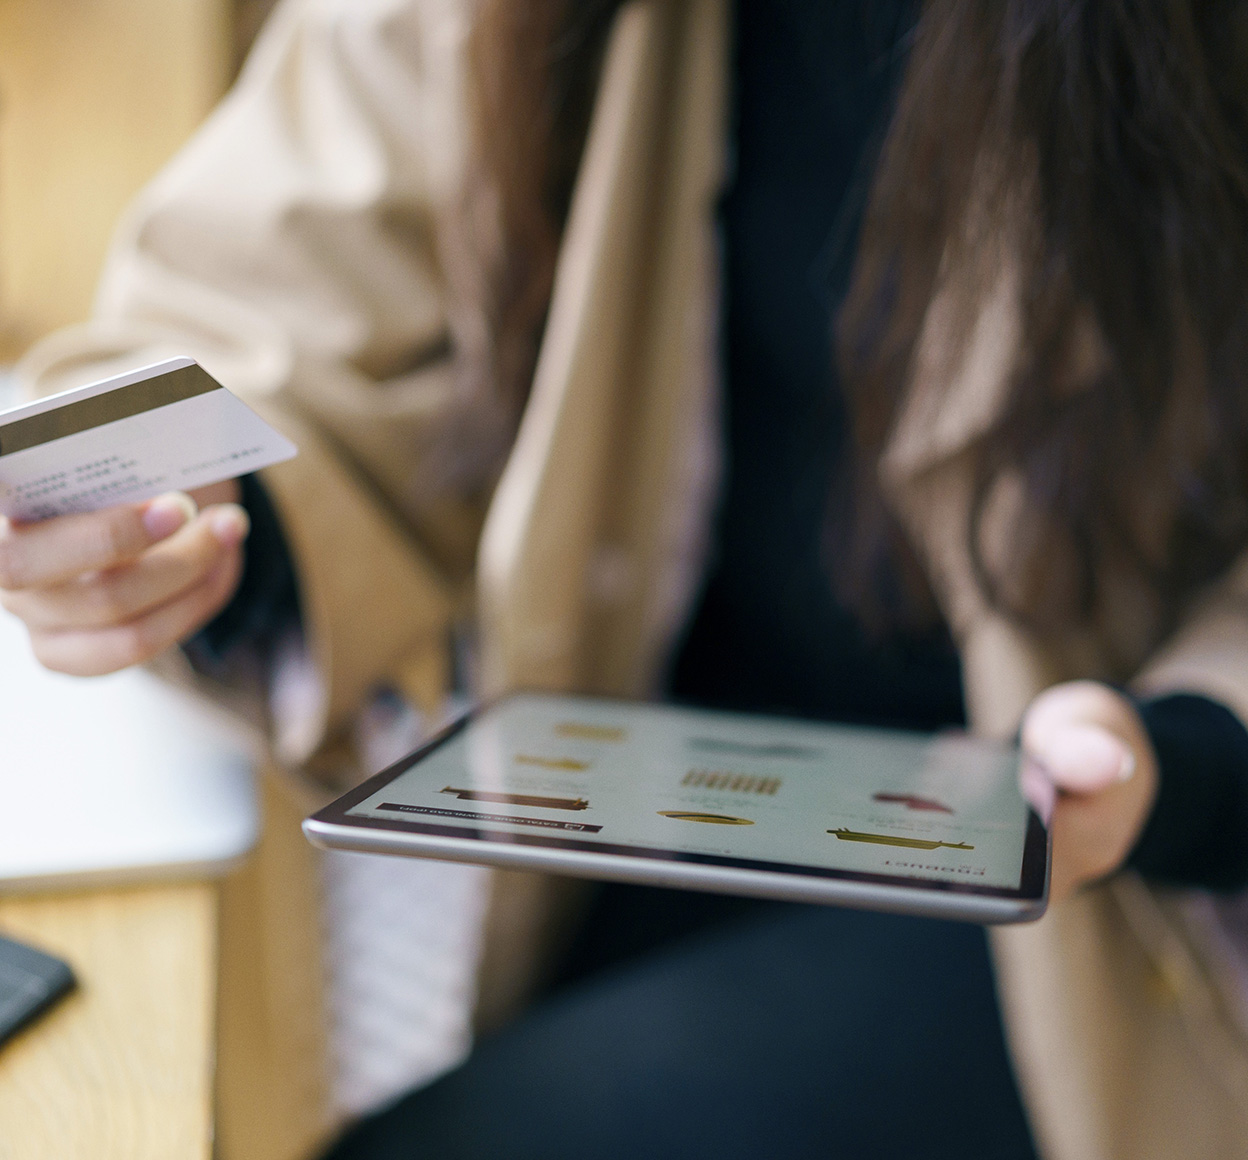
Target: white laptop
<point x="112" y="779"/>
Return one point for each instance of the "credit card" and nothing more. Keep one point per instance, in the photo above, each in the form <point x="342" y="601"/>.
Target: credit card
<point x="166" y="427"/>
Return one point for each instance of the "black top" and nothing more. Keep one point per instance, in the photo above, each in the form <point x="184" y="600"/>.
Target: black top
<point x="1198" y="832"/>
<point x="814" y="87"/>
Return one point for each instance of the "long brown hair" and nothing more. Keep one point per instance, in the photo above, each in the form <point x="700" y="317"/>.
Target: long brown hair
<point x="1121" y="126"/>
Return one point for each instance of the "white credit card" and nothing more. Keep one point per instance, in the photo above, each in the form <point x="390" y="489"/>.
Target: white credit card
<point x="166" y="427"/>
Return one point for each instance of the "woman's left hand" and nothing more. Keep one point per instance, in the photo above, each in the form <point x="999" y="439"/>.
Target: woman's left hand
<point x="1091" y="743"/>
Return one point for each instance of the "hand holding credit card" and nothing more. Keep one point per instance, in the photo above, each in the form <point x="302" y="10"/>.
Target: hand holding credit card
<point x="166" y="427"/>
<point x="103" y="554"/>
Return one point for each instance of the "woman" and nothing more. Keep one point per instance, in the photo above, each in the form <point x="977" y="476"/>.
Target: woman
<point x="1039" y="355"/>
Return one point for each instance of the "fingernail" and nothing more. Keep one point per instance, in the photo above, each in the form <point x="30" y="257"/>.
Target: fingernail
<point x="229" y="523"/>
<point x="1087" y="755"/>
<point x="167" y="513"/>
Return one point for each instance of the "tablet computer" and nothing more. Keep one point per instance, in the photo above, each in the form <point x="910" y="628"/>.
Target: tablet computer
<point x="658" y="794"/>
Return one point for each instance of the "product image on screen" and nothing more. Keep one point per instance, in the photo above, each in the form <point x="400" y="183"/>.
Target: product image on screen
<point x="717" y="789"/>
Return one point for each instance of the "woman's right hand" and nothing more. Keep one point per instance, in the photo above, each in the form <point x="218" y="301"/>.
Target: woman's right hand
<point x="105" y="590"/>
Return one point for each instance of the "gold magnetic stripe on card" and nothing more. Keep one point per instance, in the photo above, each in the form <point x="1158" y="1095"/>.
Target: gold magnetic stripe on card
<point x="119" y="403"/>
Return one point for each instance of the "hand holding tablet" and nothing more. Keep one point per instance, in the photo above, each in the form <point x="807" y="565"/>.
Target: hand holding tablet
<point x="102" y="553"/>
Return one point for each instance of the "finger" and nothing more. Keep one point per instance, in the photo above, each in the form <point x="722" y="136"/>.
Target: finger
<point x="1083" y="734"/>
<point x="54" y="551"/>
<point x="1082" y="758"/>
<point x="91" y="654"/>
<point x="1086" y="701"/>
<point x="103" y="599"/>
<point x="1092" y="744"/>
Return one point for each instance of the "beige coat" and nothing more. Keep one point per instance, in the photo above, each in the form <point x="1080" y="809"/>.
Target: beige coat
<point x="308" y="246"/>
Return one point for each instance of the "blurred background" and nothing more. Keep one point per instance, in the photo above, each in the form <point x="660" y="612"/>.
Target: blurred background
<point x="95" y="95"/>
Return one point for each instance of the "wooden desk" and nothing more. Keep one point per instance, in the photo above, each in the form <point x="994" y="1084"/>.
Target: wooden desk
<point x="122" y="1069"/>
<point x="175" y="979"/>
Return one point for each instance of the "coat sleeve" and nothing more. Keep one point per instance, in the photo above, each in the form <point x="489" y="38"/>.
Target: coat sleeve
<point x="1208" y="654"/>
<point x="300" y="248"/>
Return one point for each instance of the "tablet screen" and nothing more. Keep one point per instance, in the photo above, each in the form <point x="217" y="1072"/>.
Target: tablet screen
<point x="722" y="788"/>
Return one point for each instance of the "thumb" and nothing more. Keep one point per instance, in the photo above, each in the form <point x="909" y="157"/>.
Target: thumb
<point x="1080" y="757"/>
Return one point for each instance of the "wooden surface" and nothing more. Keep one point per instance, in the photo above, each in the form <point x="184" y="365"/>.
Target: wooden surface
<point x="141" y="1063"/>
<point x="96" y="95"/>
<point x="122" y="1069"/>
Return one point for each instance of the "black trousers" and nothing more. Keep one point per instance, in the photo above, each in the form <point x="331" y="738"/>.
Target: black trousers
<point x="692" y="1027"/>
